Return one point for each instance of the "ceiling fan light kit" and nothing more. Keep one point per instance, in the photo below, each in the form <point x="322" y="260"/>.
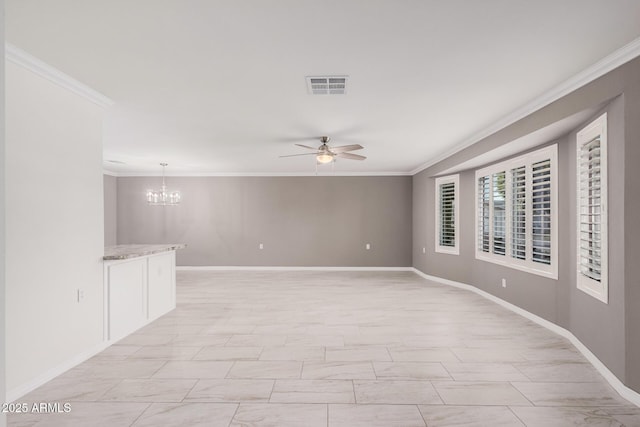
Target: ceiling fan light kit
<point x="324" y="158"/>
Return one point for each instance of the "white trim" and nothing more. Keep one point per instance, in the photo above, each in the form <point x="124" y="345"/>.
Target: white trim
<point x="455" y="249"/>
<point x="285" y="268"/>
<point x="547" y="270"/>
<point x="23" y="389"/>
<point x="598" y="290"/>
<point x="600" y="68"/>
<point x="31" y="63"/>
<point x="249" y="174"/>
<point x="624" y="391"/>
<point x="106" y="172"/>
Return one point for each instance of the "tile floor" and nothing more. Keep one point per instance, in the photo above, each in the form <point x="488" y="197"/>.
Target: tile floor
<point x="333" y="349"/>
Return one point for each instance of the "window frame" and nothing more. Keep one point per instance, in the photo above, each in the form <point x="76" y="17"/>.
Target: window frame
<point x="451" y="250"/>
<point x="550" y="270"/>
<point x="598" y="290"/>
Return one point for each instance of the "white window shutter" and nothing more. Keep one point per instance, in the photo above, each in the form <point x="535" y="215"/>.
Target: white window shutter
<point x="499" y="202"/>
<point x="447" y="213"/>
<point x="519" y="207"/>
<point x="483" y="214"/>
<point x="541" y="212"/>
<point x="516" y="208"/>
<point x="592" y="210"/>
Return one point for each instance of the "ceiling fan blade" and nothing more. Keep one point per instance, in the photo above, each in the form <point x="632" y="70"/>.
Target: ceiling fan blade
<point x="306" y="146"/>
<point x="303" y="154"/>
<point x="345" y="148"/>
<point x="350" y="156"/>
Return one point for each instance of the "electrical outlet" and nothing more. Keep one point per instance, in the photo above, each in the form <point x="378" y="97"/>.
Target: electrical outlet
<point x="367" y="246"/>
<point x="80" y="295"/>
<point x="424" y="250"/>
<point x="504" y="283"/>
<point x="260" y="246"/>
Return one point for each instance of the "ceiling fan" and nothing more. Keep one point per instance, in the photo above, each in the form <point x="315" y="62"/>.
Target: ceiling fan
<point x="326" y="154"/>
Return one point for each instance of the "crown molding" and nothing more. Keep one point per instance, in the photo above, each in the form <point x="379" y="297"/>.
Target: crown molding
<point x="20" y="57"/>
<point x="250" y="174"/>
<point x="614" y="60"/>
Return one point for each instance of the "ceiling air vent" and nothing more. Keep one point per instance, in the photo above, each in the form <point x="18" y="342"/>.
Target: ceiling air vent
<point x="327" y="85"/>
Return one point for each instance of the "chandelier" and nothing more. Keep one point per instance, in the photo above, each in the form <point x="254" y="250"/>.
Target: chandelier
<point x="163" y="197"/>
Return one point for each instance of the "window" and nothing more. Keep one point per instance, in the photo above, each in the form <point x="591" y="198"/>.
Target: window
<point x="516" y="204"/>
<point x="483" y="213"/>
<point x="518" y="213"/>
<point x="499" y="216"/>
<point x="592" y="209"/>
<point x="447" y="214"/>
<point x="541" y="212"/>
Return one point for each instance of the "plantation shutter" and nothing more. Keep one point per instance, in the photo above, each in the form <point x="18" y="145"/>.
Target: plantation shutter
<point x="499" y="213"/>
<point x="518" y="213"/>
<point x="483" y="213"/>
<point x="447" y="214"/>
<point x="541" y="212"/>
<point x="516" y="207"/>
<point x="590" y="199"/>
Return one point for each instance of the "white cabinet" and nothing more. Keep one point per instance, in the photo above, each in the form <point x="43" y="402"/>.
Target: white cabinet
<point x="162" y="284"/>
<point x="126" y="309"/>
<point x="137" y="291"/>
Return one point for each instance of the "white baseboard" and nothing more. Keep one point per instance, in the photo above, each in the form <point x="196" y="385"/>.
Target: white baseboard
<point x="23" y="389"/>
<point x="285" y="268"/>
<point x="624" y="391"/>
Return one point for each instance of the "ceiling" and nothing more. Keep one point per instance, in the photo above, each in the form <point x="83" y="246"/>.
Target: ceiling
<point x="218" y="86"/>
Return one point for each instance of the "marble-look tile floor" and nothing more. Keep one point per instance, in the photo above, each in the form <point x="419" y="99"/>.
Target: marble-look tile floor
<point x="333" y="349"/>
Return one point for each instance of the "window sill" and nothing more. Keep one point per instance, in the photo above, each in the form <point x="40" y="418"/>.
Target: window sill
<point x="550" y="273"/>
<point x="447" y="250"/>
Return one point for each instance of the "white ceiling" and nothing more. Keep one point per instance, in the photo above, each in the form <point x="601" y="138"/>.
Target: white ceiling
<point x="218" y="86"/>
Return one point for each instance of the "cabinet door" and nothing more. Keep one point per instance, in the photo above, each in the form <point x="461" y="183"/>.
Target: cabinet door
<point x="127" y="297"/>
<point x="162" y="281"/>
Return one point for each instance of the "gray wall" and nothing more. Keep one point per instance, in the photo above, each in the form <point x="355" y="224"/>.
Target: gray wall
<point x="302" y="221"/>
<point x="632" y="228"/>
<point x="110" y="188"/>
<point x="611" y="331"/>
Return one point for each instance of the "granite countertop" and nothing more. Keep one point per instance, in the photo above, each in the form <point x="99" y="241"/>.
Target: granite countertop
<point x="133" y="251"/>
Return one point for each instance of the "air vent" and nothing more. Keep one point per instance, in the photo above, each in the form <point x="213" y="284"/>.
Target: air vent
<point x="327" y="85"/>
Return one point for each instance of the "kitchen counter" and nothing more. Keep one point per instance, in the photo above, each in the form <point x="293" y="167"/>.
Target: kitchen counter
<point x="139" y="286"/>
<point x="135" y="251"/>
